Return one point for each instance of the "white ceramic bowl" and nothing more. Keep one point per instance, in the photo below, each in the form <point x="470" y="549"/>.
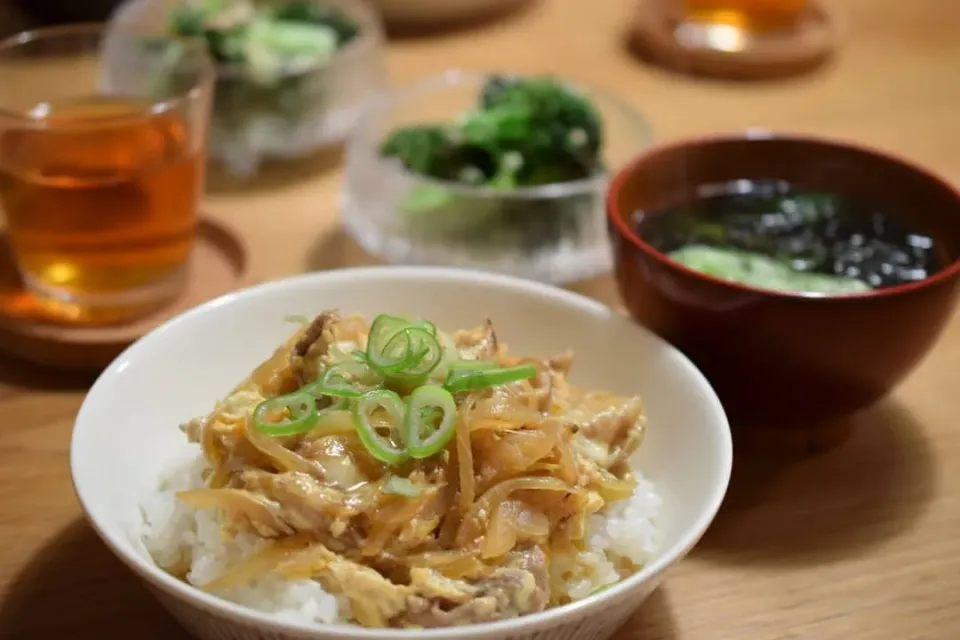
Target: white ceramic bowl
<point x="127" y="426"/>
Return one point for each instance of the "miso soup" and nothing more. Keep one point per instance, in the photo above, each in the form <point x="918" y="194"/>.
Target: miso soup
<point x="778" y="236"/>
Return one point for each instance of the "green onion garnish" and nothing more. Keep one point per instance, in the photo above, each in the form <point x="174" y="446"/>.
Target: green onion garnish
<point x="389" y="345"/>
<point x="337" y="381"/>
<point x="429" y="326"/>
<point x="475" y="365"/>
<point x="378" y="446"/>
<point x="421" y="403"/>
<point x="401" y="354"/>
<point x="302" y="408"/>
<point x="427" y="349"/>
<point x="468" y="378"/>
<point x="402" y="349"/>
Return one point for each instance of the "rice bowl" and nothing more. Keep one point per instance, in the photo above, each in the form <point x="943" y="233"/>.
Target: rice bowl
<point x="686" y="460"/>
<point x="170" y="528"/>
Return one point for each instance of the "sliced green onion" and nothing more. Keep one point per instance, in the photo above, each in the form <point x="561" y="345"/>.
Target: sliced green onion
<point x="402" y="349"/>
<point x="400" y="486"/>
<point x="388" y="345"/>
<point x="427" y="349"/>
<point x="421" y="403"/>
<point x="341" y="381"/>
<point x="475" y="365"/>
<point x="429" y="326"/>
<point x="466" y="379"/>
<point x="431" y="416"/>
<point x="302" y="408"/>
<point x="378" y="446"/>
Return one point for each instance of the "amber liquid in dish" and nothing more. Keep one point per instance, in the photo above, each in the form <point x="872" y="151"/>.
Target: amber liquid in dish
<point x="748" y="15"/>
<point x="101" y="200"/>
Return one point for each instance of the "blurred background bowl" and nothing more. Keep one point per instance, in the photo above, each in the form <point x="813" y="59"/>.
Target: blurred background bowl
<point x="553" y="233"/>
<point x="424" y="13"/>
<point x="779" y="359"/>
<point x="304" y="112"/>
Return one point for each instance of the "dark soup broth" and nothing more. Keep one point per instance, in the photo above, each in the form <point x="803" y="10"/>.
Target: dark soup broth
<point x="779" y="236"/>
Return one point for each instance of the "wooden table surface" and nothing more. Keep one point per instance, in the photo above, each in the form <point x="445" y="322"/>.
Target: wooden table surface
<point x="858" y="543"/>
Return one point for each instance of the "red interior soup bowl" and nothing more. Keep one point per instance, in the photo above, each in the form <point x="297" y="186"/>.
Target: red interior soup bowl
<point x="782" y="357"/>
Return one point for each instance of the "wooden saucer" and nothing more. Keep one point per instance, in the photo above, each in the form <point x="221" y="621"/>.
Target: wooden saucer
<point x="218" y="265"/>
<point x="660" y="34"/>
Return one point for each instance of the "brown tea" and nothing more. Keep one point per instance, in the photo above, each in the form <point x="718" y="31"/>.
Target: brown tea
<point x="101" y="197"/>
<point x="749" y="15"/>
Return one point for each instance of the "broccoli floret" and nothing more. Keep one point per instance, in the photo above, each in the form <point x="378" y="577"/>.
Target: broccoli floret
<point x="435" y="151"/>
<point x="557" y="130"/>
<point x="523" y="132"/>
<point x="423" y="149"/>
<point x="188" y="20"/>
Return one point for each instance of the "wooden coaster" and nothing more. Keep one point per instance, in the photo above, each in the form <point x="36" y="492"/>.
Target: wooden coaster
<point x="218" y="265"/>
<point x="660" y="34"/>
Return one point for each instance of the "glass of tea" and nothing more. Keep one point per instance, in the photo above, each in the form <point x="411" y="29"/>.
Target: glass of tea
<point x="754" y="16"/>
<point x="102" y="141"/>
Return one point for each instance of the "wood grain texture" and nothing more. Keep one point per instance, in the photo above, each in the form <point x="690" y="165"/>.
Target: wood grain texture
<point x="856" y="544"/>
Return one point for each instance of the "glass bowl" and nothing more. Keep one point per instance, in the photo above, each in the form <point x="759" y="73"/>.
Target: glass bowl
<point x="553" y="233"/>
<point x="303" y="111"/>
<point x="438" y="12"/>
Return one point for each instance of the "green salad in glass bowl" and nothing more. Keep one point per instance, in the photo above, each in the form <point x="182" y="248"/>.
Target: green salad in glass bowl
<point x="495" y="171"/>
<point x="290" y="73"/>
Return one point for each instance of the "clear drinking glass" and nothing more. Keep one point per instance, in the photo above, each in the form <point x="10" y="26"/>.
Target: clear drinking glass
<point x="733" y="25"/>
<point x="750" y="15"/>
<point x="102" y="144"/>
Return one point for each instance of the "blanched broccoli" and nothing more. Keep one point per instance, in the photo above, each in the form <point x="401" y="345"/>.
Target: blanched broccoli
<point x="428" y="150"/>
<point x="559" y="130"/>
<point x="288" y="29"/>
<point x="276" y="53"/>
<point x="524" y="132"/>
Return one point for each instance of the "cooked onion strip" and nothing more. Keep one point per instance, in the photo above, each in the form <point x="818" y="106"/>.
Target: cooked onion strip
<point x="465" y="466"/>
<point x="266" y="560"/>
<point x="283" y="458"/>
<point x="471" y="530"/>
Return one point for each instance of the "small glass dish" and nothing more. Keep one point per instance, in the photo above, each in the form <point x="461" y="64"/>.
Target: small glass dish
<point x="304" y="111"/>
<point x="553" y="233"/>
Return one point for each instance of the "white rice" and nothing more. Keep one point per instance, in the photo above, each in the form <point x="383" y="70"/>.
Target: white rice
<point x="178" y="535"/>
